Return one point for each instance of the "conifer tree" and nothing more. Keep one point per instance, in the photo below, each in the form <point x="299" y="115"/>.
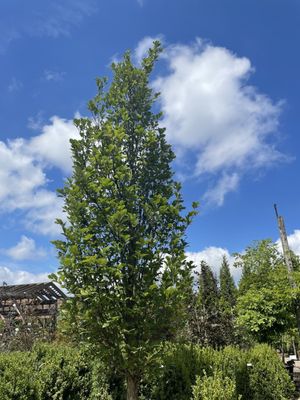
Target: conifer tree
<point x="123" y="253"/>
<point x="208" y="289"/>
<point x="205" y="325"/>
<point x="228" y="298"/>
<point x="228" y="291"/>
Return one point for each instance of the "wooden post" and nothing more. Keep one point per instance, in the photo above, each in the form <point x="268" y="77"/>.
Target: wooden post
<point x="288" y="261"/>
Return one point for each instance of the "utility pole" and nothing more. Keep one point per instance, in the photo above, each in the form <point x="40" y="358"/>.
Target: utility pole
<point x="285" y="246"/>
<point x="288" y="261"/>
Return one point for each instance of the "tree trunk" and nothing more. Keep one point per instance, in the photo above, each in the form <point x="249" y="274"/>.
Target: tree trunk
<point x="132" y="387"/>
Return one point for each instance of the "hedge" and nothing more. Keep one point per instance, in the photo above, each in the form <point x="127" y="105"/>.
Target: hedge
<point x="183" y="372"/>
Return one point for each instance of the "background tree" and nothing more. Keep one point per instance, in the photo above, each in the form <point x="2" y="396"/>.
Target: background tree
<point x="228" y="297"/>
<point x="228" y="291"/>
<point x="206" y="325"/>
<point x="122" y="256"/>
<point x="265" y="302"/>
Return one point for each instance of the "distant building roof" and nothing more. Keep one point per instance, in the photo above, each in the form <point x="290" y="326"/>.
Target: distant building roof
<point x="45" y="292"/>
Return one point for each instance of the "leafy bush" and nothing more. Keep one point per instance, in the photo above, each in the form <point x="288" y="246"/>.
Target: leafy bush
<point x="215" y="387"/>
<point x="59" y="372"/>
<point x="267" y="378"/>
<point x="232" y="363"/>
<point x="65" y="373"/>
<point x="175" y="374"/>
<point x="17" y="377"/>
<point x="180" y="364"/>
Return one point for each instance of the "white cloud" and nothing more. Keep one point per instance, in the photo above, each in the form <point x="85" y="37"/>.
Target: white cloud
<point x="55" y="76"/>
<point x="144" y="45"/>
<point x="41" y="218"/>
<point x="51" y="19"/>
<point x="211" y="112"/>
<point x="52" y="146"/>
<point x="213" y="256"/>
<point x="26" y="249"/>
<point x="15" y="85"/>
<point x="17" y="277"/>
<point x="23" y="174"/>
<point x="36" y="122"/>
<point x="227" y="183"/>
<point x="293" y="241"/>
<point x="19" y="175"/>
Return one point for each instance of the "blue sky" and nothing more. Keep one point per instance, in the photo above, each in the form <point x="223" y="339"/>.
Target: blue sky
<point x="230" y="92"/>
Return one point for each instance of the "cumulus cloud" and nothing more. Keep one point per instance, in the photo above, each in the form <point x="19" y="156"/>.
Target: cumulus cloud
<point x="144" y="45"/>
<point x="23" y="174"/>
<point x="227" y="183"/>
<point x="26" y="249"/>
<point x="293" y="241"/>
<point x="213" y="256"/>
<point x="214" y="115"/>
<point x="17" y="277"/>
<point x="52" y="146"/>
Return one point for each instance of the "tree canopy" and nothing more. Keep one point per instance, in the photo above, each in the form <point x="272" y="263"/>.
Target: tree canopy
<point x="266" y="299"/>
<point x="122" y="256"/>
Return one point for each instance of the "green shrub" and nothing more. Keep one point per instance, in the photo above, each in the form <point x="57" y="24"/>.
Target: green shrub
<point x="215" y="387"/>
<point x="64" y="373"/>
<point x="17" y="376"/>
<point x="56" y="372"/>
<point x="268" y="378"/>
<point x="232" y="362"/>
<point x="174" y="374"/>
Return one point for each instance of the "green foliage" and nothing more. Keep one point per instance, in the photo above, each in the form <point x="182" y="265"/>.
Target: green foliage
<point x="208" y="325"/>
<point x="64" y="373"/>
<point x="266" y="301"/>
<point x="228" y="291"/>
<point x="122" y="256"/>
<point x="208" y="290"/>
<point x="17" y="377"/>
<point x="52" y="372"/>
<point x="267" y="378"/>
<point x="232" y="362"/>
<point x="180" y="366"/>
<point x="215" y="387"/>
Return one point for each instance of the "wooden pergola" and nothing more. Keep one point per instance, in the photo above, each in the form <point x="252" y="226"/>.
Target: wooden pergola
<point x="34" y="306"/>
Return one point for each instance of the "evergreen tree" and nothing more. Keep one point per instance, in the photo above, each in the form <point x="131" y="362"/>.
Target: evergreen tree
<point x="205" y="325"/>
<point x="228" y="297"/>
<point x="228" y="291"/>
<point x="208" y="289"/>
<point x="123" y="253"/>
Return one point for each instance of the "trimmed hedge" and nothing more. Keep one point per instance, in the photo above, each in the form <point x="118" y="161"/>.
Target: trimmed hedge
<point x="184" y="369"/>
<point x="51" y="373"/>
<point x="183" y="372"/>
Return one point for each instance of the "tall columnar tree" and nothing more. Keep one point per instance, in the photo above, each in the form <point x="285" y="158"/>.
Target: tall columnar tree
<point x="228" y="291"/>
<point x="205" y="325"/>
<point x="208" y="289"/>
<point x="122" y="256"/>
<point x="228" y="297"/>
